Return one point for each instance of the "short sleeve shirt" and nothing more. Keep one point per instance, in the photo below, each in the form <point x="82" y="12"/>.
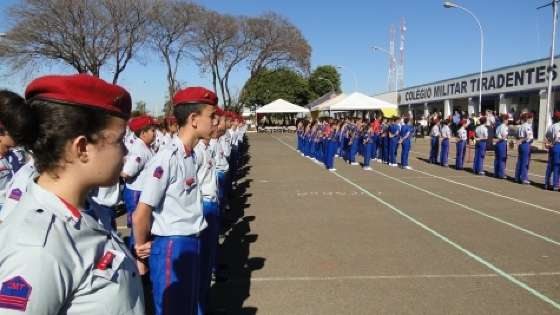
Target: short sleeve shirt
<point x="445" y="131"/>
<point x="56" y="259"/>
<point x="171" y="188"/>
<point x="207" y="170"/>
<point x="435" y="131"/>
<point x="462" y="133"/>
<point x="481" y="132"/>
<point x="6" y="174"/>
<point x="17" y="187"/>
<point x="502" y="132"/>
<point x="135" y="161"/>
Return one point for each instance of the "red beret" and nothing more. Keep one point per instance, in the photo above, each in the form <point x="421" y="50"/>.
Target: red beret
<point x="556" y="115"/>
<point x="529" y="115"/>
<point x="170" y="120"/>
<point x="137" y="123"/>
<point x="219" y="111"/>
<point x="195" y="95"/>
<point x="81" y="90"/>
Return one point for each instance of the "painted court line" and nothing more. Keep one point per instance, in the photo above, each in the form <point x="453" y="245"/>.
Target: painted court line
<point x="435" y="233"/>
<point x="479" y="212"/>
<point x="397" y="277"/>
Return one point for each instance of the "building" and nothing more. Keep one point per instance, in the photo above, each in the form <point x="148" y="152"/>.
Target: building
<point x="512" y="89"/>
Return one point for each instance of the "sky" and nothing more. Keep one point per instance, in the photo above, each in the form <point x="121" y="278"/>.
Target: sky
<point x="440" y="43"/>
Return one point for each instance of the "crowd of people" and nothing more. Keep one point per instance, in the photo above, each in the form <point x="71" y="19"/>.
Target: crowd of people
<point x="378" y="139"/>
<point x="70" y="154"/>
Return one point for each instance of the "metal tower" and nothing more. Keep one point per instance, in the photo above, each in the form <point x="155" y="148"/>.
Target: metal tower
<point x="400" y="69"/>
<point x="391" y="77"/>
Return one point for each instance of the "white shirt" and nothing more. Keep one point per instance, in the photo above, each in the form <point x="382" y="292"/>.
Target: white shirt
<point x="502" y="132"/>
<point x="156" y="144"/>
<point x="136" y="159"/>
<point x="108" y="196"/>
<point x="435" y="131"/>
<point x="129" y="139"/>
<point x="6" y="174"/>
<point x="556" y="132"/>
<point x="17" y="187"/>
<point x="462" y="133"/>
<point x="525" y="132"/>
<point x="206" y="173"/>
<point x="223" y="151"/>
<point x="481" y="132"/>
<point x="53" y="254"/>
<point x="445" y="131"/>
<point x="171" y="189"/>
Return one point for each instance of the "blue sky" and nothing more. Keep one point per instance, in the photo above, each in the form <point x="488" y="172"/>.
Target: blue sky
<point x="440" y="43"/>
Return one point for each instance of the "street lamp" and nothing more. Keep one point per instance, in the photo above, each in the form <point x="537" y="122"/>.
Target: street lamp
<point x="393" y="59"/>
<point x="450" y="5"/>
<point x="353" y="75"/>
<point x="330" y="83"/>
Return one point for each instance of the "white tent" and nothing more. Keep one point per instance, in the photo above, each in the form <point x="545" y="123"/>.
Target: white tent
<point x="281" y="106"/>
<point x="326" y="105"/>
<point x="359" y="101"/>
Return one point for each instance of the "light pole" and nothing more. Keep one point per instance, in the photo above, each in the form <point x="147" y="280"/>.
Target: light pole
<point x="393" y="60"/>
<point x="330" y="83"/>
<point x="449" y="5"/>
<point x="353" y="75"/>
<point x="549" y="108"/>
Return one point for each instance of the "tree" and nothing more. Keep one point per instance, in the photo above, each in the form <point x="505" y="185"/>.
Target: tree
<point x="172" y="31"/>
<point x="269" y="85"/>
<point x="276" y="43"/>
<point x="86" y="35"/>
<point x="324" y="79"/>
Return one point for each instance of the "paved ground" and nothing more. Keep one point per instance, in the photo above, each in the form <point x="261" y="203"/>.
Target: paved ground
<point x="428" y="241"/>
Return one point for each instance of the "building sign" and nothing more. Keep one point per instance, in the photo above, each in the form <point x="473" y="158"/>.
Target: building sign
<point x="528" y="76"/>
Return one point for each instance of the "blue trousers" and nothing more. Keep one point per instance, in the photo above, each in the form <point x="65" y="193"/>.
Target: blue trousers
<point x="331" y="150"/>
<point x="353" y="151"/>
<point x="405" y="151"/>
<point x="130" y="198"/>
<point x="434" y="149"/>
<point x="367" y="153"/>
<point x="374" y="142"/>
<point x="522" y="167"/>
<point x="393" y="145"/>
<point x="222" y="193"/>
<point x="208" y="249"/>
<point x="500" y="152"/>
<point x="175" y="274"/>
<point x="553" y="167"/>
<point x="461" y="148"/>
<point x="444" y="153"/>
<point x="386" y="149"/>
<point x="479" y="154"/>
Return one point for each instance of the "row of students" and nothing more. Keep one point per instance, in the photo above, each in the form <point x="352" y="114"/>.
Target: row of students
<point x="377" y="140"/>
<point x="62" y="252"/>
<point x="440" y="141"/>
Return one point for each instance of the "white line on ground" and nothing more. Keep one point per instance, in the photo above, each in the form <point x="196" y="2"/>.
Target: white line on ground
<point x="398" y="277"/>
<point x="435" y="233"/>
<point x="429" y="177"/>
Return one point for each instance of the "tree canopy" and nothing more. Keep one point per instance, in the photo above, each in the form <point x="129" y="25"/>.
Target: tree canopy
<point x="269" y="85"/>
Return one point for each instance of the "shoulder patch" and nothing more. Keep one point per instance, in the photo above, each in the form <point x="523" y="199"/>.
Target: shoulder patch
<point x="35" y="228"/>
<point x="15" y="293"/>
<point x="138" y="159"/>
<point x="15" y="194"/>
<point x="158" y="172"/>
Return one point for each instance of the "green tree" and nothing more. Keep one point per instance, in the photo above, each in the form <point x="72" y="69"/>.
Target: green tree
<point x="324" y="79"/>
<point x="269" y="85"/>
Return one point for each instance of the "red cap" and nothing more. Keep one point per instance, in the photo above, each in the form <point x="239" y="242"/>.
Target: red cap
<point x="556" y="115"/>
<point x="463" y="121"/>
<point x="170" y="120"/>
<point x="137" y="123"/>
<point x="529" y="115"/>
<point x="219" y="111"/>
<point x="81" y="90"/>
<point x="195" y="95"/>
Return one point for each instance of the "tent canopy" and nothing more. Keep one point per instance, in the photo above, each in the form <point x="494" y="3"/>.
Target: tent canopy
<point x="326" y="105"/>
<point x="281" y="106"/>
<point x="359" y="101"/>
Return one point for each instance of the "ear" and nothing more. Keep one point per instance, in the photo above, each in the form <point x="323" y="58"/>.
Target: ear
<point x="193" y="117"/>
<point x="79" y="149"/>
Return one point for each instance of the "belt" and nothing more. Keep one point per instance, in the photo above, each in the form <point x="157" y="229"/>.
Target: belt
<point x="210" y="199"/>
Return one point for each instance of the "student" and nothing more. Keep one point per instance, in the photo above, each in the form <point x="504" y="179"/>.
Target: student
<point x="354" y="138"/>
<point x="170" y="208"/>
<point x="376" y="131"/>
<point x="368" y="146"/>
<point x="393" y="134"/>
<point x="434" y="143"/>
<point x="461" y="144"/>
<point x="481" y="136"/>
<point x="500" y="149"/>
<point x="406" y="132"/>
<point x="445" y="136"/>
<point x="170" y="125"/>
<point x="332" y="145"/>
<point x="137" y="158"/>
<point x="525" y="138"/>
<point x="56" y="258"/>
<point x="553" y="146"/>
<point x="385" y="141"/>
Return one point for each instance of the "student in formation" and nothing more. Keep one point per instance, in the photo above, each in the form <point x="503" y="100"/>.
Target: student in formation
<point x="170" y="127"/>
<point x="332" y="145"/>
<point x="445" y="135"/>
<point x="138" y="156"/>
<point x="524" y="139"/>
<point x="170" y="211"/>
<point x="461" y="146"/>
<point x="368" y="146"/>
<point x="553" y="146"/>
<point x="393" y="133"/>
<point x="386" y="140"/>
<point x="407" y="130"/>
<point x="500" y="149"/>
<point x="376" y="131"/>
<point x="56" y="257"/>
<point x="435" y="133"/>
<point x="481" y="137"/>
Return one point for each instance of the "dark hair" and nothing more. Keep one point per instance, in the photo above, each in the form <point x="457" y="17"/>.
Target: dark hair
<point x="16" y="117"/>
<point x="143" y="129"/>
<point x="55" y="124"/>
<point x="182" y="112"/>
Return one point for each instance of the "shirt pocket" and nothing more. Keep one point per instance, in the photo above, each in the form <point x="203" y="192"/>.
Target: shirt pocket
<point x="118" y="286"/>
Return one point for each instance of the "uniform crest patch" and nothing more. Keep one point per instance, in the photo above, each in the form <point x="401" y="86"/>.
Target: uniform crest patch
<point x="190" y="181"/>
<point x="15" y="194"/>
<point x="138" y="159"/>
<point x="158" y="172"/>
<point x="14" y="294"/>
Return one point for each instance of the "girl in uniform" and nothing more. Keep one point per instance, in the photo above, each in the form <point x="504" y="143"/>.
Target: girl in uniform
<point x="500" y="149"/>
<point x="393" y="134"/>
<point x="481" y="136"/>
<point x="434" y="144"/>
<point x="56" y="258"/>
<point x="445" y="136"/>
<point x="553" y="146"/>
<point x="405" y="134"/>
<point x="461" y="144"/>
<point x="525" y="138"/>
<point x="368" y="145"/>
